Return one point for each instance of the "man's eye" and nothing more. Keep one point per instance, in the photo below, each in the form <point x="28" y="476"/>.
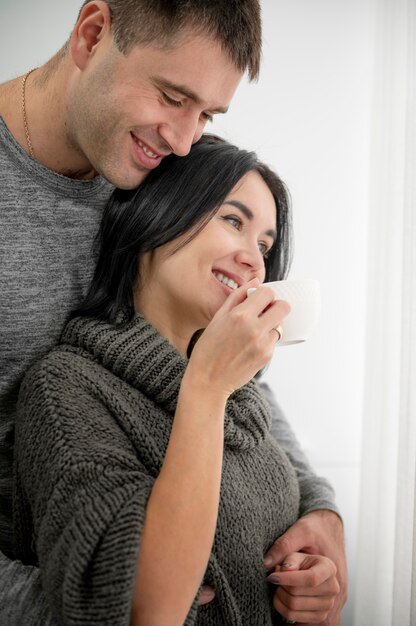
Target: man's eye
<point x="234" y="221"/>
<point x="207" y="117"/>
<point x="171" y="101"/>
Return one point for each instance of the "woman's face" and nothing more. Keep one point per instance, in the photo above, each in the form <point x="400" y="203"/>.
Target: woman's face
<point x="182" y="291"/>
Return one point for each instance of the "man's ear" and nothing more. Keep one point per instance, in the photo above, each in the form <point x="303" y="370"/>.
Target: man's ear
<point x="92" y="26"/>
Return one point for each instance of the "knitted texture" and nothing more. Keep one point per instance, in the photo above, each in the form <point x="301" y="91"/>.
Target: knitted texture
<point x="47" y="227"/>
<point x="94" y="422"/>
<point x="21" y="587"/>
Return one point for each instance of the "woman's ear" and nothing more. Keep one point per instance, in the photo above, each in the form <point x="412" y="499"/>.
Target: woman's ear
<point x="92" y="27"/>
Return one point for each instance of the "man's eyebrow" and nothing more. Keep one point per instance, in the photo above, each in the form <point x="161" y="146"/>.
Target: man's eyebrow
<point x="249" y="215"/>
<point x="185" y="91"/>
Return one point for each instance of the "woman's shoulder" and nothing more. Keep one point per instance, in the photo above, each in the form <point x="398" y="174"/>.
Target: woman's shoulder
<point x="61" y="384"/>
<point x="66" y="401"/>
<point x="63" y="366"/>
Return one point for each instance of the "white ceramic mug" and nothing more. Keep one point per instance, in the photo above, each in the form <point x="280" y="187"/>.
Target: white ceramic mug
<point x="304" y="297"/>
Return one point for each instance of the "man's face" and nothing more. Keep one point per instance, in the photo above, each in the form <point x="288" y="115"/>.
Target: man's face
<point x="128" y="112"/>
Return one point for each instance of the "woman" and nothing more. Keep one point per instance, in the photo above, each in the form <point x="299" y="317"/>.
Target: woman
<point x="144" y="463"/>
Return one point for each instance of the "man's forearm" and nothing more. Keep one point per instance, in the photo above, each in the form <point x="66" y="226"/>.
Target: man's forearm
<point x="21" y="598"/>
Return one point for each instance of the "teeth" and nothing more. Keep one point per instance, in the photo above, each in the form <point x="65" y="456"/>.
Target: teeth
<point x="146" y="150"/>
<point x="227" y="281"/>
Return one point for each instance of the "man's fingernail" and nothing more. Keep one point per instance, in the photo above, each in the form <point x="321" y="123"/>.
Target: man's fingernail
<point x="273" y="579"/>
<point x="268" y="561"/>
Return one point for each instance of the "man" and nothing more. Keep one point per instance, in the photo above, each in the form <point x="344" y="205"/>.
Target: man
<point x="136" y="81"/>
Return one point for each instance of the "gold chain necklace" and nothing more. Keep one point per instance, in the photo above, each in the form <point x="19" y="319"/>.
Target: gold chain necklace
<point x="29" y="143"/>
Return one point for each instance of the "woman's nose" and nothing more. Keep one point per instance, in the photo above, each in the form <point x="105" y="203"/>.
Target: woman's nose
<point x="250" y="255"/>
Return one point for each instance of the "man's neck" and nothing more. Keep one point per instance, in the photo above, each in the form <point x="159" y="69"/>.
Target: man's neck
<point x="45" y="106"/>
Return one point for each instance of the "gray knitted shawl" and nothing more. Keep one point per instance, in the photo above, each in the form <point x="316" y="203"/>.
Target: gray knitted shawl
<point x="94" y="421"/>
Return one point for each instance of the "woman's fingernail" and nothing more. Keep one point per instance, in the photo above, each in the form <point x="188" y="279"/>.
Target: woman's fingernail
<point x="206" y="594"/>
<point x="268" y="561"/>
<point x="273" y="579"/>
<point x="287" y="565"/>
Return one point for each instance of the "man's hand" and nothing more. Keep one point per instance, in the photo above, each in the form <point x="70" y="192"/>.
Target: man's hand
<point x="307" y="589"/>
<point x="317" y="533"/>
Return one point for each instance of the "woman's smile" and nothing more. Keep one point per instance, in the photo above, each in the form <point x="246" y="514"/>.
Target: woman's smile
<point x="191" y="282"/>
<point x="226" y="280"/>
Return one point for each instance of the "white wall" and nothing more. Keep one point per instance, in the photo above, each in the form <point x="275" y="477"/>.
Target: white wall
<point x="309" y="118"/>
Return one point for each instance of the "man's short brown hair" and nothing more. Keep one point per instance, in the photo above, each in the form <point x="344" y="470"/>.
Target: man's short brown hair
<point x="235" y="24"/>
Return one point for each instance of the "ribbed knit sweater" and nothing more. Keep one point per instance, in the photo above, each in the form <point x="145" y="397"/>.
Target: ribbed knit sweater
<point x="93" y="425"/>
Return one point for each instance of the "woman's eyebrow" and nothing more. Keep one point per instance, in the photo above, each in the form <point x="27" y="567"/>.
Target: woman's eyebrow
<point x="249" y="215"/>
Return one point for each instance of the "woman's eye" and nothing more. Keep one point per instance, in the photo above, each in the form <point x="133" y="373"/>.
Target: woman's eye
<point x="171" y="101"/>
<point x="264" y="249"/>
<point x="234" y="221"/>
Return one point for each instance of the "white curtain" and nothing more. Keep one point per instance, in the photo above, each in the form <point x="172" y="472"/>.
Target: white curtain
<point x="385" y="580"/>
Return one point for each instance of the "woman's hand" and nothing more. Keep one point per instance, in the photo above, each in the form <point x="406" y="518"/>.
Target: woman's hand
<point x="317" y="532"/>
<point x="182" y="509"/>
<point x="239" y="340"/>
<point x="307" y="589"/>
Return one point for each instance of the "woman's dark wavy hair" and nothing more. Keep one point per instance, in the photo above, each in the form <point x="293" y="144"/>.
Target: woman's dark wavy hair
<point x="179" y="197"/>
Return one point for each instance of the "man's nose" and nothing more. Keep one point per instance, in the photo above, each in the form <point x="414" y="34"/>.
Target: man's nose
<point x="181" y="133"/>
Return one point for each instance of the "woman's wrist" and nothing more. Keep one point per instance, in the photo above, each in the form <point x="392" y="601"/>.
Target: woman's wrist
<point x="197" y="386"/>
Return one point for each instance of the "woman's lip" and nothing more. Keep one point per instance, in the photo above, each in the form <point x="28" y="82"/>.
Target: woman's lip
<point x="237" y="279"/>
<point x="224" y="287"/>
<point x="227" y="288"/>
